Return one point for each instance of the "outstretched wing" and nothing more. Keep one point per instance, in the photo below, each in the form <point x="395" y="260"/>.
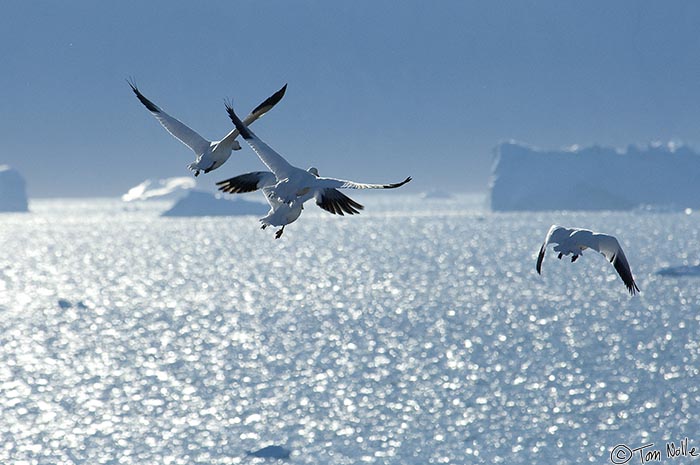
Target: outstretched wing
<point x="247" y="182"/>
<point x="611" y="249"/>
<point x="334" y="201"/>
<point x="332" y="183"/>
<point x="179" y="130"/>
<point x="543" y="249"/>
<point x="273" y="160"/>
<point x="257" y="112"/>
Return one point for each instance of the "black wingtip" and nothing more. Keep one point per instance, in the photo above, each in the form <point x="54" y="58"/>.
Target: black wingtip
<point x="271" y="101"/>
<point x="540" y="258"/>
<point x="398" y="184"/>
<point x="623" y="270"/>
<point x="334" y="201"/>
<point x="632" y="287"/>
<point x="241" y="184"/>
<point x="147" y="103"/>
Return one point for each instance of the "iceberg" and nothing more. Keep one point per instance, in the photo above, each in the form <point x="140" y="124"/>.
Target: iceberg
<point x="13" y="191"/>
<point x="271" y="452"/>
<point x="163" y="189"/>
<point x="594" y="178"/>
<point x="678" y="271"/>
<point x="200" y="203"/>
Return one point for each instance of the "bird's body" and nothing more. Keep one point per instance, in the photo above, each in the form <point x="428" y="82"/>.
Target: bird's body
<point x="287" y="187"/>
<point x="283" y="213"/>
<point x="280" y="214"/>
<point x="573" y="241"/>
<point x="209" y="155"/>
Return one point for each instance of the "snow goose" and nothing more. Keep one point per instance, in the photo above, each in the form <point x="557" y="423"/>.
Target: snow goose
<point x="209" y="155"/>
<point x="575" y="241"/>
<point x="282" y="213"/>
<point x="287" y="187"/>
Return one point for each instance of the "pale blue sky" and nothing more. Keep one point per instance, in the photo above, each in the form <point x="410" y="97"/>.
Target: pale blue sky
<point x="377" y="90"/>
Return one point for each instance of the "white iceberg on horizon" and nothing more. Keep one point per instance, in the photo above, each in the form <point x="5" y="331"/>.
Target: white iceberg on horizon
<point x="201" y="203"/>
<point x="160" y="189"/>
<point x="13" y="191"/>
<point x="594" y="178"/>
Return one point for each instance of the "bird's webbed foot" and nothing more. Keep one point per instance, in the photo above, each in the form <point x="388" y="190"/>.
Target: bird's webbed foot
<point x="278" y="234"/>
<point x="196" y="173"/>
<point x="560" y="255"/>
<point x="574" y="258"/>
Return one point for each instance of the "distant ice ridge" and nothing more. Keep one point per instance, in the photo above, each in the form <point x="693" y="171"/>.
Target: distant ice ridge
<point x="168" y="188"/>
<point x="594" y="178"/>
<point x="13" y="191"/>
<point x="681" y="270"/>
<point x="200" y="203"/>
<point x="272" y="452"/>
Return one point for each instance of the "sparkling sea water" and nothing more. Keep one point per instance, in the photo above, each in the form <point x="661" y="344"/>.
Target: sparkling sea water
<point x="417" y="332"/>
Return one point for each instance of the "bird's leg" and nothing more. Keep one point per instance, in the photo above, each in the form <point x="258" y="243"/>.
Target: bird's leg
<point x="263" y="226"/>
<point x="278" y="234"/>
<point x="573" y="259"/>
<point x="196" y="173"/>
<point x="560" y="255"/>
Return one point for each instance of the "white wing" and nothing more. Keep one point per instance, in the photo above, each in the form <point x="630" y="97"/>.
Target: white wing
<point x="179" y="130"/>
<point x="257" y="112"/>
<point x="273" y="160"/>
<point x="611" y="249"/>
<point x="540" y="257"/>
<point x="332" y="183"/>
<point x="332" y="200"/>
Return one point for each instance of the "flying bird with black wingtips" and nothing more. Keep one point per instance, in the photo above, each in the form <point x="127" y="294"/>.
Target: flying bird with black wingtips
<point x="209" y="154"/>
<point x="573" y="241"/>
<point x="287" y="187"/>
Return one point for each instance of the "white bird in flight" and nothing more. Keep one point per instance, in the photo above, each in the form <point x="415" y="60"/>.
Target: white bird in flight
<point x="209" y="154"/>
<point x="282" y="213"/>
<point x="287" y="187"/>
<point x="575" y="241"/>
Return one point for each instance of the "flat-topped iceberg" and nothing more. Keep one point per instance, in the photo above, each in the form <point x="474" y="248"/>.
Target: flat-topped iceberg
<point x="13" y="191"/>
<point x="594" y="178"/>
<point x="200" y="203"/>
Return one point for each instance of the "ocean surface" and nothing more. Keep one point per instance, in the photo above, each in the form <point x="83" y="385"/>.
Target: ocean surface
<point x="417" y="332"/>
